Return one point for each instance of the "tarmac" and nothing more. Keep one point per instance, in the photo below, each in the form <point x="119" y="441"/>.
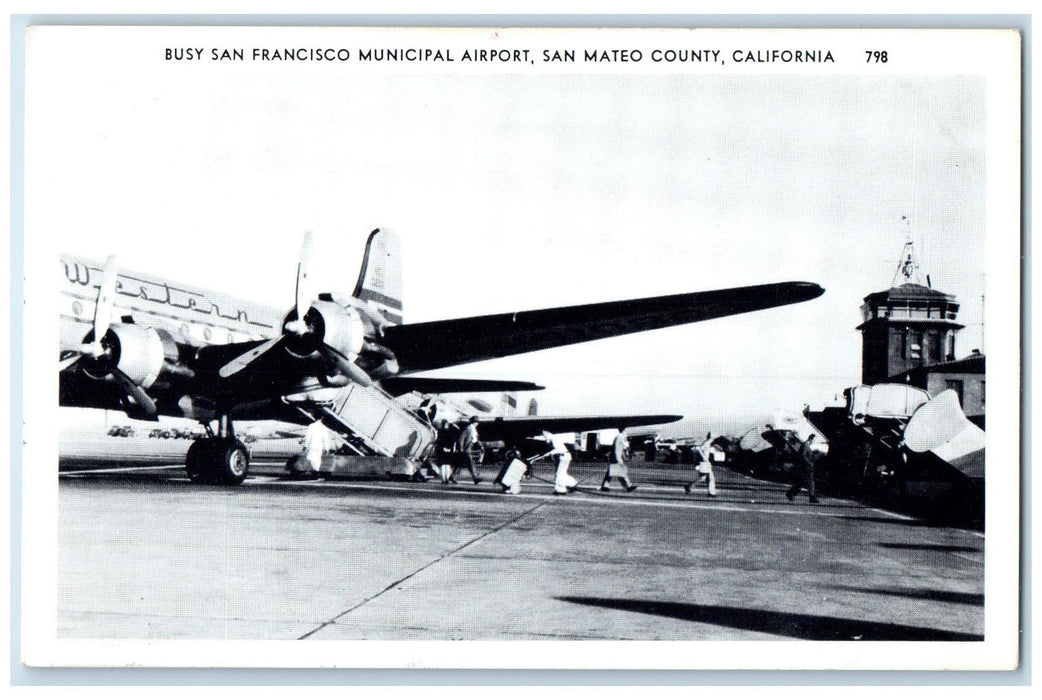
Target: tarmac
<point x="144" y="554"/>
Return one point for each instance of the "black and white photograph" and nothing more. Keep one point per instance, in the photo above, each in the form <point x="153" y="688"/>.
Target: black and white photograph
<point x="401" y="341"/>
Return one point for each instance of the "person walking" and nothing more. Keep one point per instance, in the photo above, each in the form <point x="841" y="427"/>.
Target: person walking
<point x="445" y="453"/>
<point x="428" y="461"/>
<point x="804" y="476"/>
<point x="704" y="468"/>
<point x="617" y="465"/>
<point x="467" y="440"/>
<point x="563" y="481"/>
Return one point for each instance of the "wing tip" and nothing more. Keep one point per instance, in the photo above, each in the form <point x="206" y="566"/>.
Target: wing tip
<point x="805" y="291"/>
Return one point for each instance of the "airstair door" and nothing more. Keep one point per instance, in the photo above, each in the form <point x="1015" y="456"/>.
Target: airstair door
<point x="379" y="422"/>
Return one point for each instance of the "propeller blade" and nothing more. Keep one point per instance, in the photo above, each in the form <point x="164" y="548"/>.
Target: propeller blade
<point x="240" y="362"/>
<point x="143" y="400"/>
<point x="377" y="349"/>
<point x="346" y="366"/>
<point x="306" y="291"/>
<point x="69" y="362"/>
<point x="103" y="308"/>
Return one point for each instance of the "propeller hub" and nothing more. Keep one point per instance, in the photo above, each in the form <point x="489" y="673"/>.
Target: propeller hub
<point x="101" y="354"/>
<point x="95" y="350"/>
<point x="304" y="335"/>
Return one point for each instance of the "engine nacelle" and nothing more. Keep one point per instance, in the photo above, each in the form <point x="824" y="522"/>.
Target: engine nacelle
<point x="135" y="351"/>
<point x="340" y="328"/>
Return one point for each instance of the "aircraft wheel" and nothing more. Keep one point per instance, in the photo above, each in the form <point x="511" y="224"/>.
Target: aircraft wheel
<point x="197" y="461"/>
<point x="230" y="462"/>
<point x="217" y="461"/>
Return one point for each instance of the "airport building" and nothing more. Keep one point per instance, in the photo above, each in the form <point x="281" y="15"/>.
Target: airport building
<point x="965" y="377"/>
<point x="908" y="337"/>
<point x="905" y="328"/>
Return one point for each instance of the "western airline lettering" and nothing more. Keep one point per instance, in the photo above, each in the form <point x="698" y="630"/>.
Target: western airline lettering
<point x="160" y="293"/>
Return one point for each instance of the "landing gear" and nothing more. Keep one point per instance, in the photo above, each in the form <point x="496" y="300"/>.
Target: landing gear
<point x="218" y="459"/>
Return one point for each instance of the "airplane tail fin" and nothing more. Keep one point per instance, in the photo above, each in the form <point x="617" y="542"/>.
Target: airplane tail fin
<point x="380" y="280"/>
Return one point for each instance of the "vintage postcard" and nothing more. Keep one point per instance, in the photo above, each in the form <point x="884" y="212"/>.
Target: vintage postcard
<point x="521" y="348"/>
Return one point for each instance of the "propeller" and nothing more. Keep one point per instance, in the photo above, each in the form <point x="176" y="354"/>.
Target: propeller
<point x="240" y="362"/>
<point x="306" y="299"/>
<point x="305" y="296"/>
<point x="102" y="317"/>
<point x="306" y="291"/>
<point x="143" y="400"/>
<point x="103" y="308"/>
<point x="98" y="350"/>
<point x="348" y="368"/>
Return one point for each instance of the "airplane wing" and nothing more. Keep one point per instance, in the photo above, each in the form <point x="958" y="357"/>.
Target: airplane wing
<point x="436" y="344"/>
<point x="396" y="386"/>
<point x="512" y="430"/>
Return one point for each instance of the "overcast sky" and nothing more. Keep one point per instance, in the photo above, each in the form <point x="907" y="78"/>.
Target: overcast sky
<point x="518" y="191"/>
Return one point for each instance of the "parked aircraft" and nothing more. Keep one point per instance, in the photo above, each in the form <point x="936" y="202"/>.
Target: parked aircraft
<point x="152" y="347"/>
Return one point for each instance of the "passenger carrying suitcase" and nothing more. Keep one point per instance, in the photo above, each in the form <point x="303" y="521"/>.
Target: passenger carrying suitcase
<point x="511" y="475"/>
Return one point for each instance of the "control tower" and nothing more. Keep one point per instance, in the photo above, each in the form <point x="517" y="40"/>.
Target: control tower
<point x="907" y="326"/>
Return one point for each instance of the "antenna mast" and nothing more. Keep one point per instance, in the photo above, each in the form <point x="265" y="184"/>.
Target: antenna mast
<point x="908" y="267"/>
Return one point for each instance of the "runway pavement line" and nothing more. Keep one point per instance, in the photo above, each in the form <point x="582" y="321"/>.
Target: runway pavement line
<point x="584" y="497"/>
<point x="115" y="470"/>
<point x="443" y="557"/>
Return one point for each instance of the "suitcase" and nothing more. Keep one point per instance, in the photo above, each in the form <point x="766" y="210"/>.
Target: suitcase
<point x="511" y="475"/>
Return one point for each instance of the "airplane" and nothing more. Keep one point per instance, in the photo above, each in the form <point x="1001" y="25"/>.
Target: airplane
<point x="151" y="347"/>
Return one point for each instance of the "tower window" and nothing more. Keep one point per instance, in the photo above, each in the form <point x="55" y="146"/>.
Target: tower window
<point x="956" y="386"/>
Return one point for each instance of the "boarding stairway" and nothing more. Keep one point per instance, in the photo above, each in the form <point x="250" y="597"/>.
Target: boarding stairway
<point x="372" y="424"/>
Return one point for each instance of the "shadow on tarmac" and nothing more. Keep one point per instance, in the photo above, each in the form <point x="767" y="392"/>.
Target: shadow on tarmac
<point x="922" y="594"/>
<point x="928" y="547"/>
<point x="907" y="522"/>
<point x="798" y="626"/>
